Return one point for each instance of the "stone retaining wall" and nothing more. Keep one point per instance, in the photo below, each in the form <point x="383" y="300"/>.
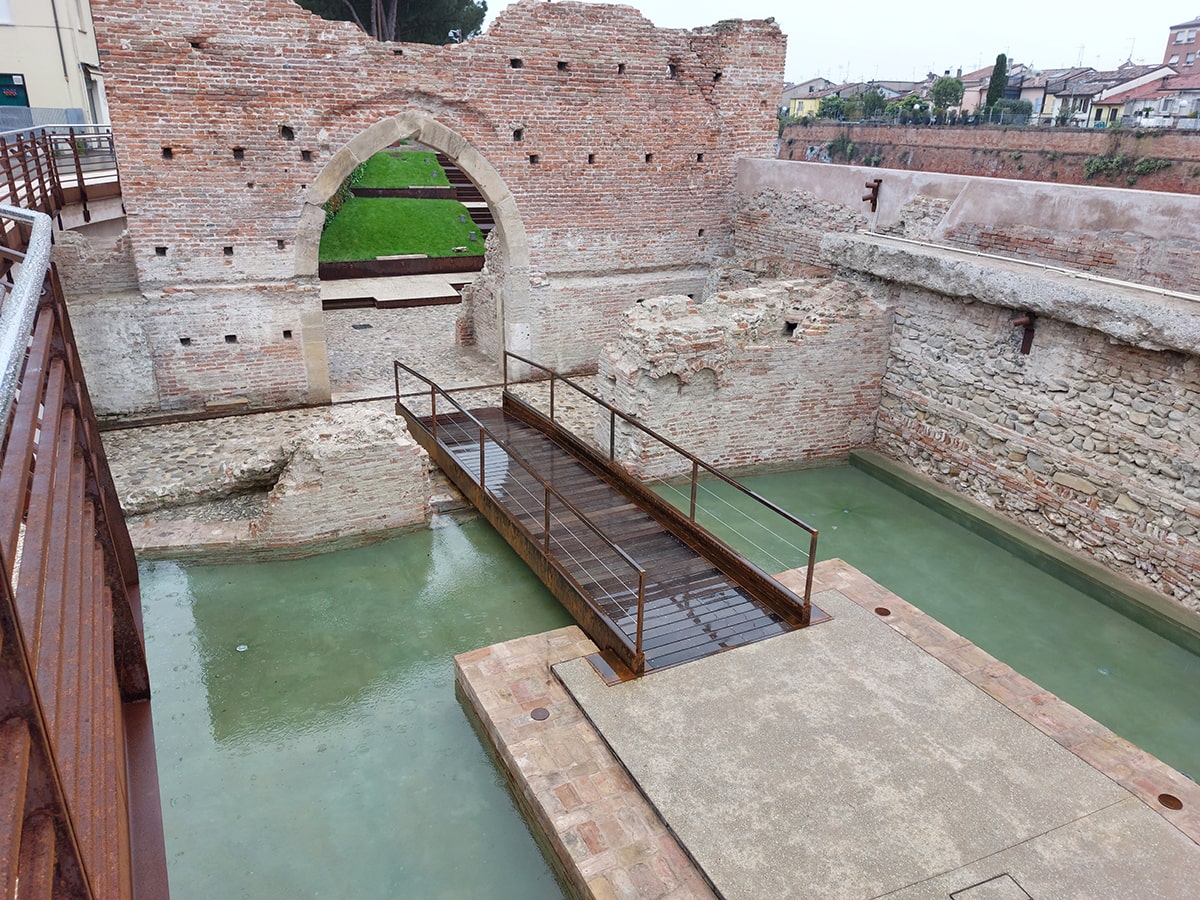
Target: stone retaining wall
<point x="1028" y="154"/>
<point x="1089" y="441"/>
<point x="1093" y="437"/>
<point x="785" y="208"/>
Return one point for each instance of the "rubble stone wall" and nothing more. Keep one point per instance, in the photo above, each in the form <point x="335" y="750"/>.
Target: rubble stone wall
<point x="781" y="374"/>
<point x="1089" y="441"/>
<point x="357" y="476"/>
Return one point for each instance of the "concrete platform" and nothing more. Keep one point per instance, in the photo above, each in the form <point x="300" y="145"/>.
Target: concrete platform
<point x="874" y="755"/>
<point x="397" y="291"/>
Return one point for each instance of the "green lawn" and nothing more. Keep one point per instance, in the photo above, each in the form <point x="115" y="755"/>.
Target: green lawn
<point x="409" y="168"/>
<point x="365" y="228"/>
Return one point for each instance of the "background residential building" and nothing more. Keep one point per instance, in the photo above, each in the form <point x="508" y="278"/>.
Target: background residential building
<point x="49" y="65"/>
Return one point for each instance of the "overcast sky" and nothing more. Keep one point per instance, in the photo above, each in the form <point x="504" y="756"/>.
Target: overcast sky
<point x="872" y="39"/>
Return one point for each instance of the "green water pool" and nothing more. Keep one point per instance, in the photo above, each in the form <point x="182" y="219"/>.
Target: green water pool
<point x="310" y="743"/>
<point x="309" y="740"/>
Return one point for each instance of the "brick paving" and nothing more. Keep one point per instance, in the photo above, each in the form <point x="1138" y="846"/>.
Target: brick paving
<point x="606" y="835"/>
<point x="608" y="839"/>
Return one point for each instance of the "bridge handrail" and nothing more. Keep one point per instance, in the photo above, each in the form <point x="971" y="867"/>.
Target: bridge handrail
<point x="697" y="463"/>
<point x="434" y="390"/>
<point x="19" y="300"/>
<point x="38" y="164"/>
<point x="67" y="565"/>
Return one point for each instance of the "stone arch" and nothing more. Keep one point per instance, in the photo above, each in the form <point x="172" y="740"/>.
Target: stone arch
<point x="512" y="314"/>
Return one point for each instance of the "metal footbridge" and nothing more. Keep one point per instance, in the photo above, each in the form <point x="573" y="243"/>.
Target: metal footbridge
<point x="649" y="584"/>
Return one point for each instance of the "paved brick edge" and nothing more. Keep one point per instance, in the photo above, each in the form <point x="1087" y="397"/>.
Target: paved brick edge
<point x="609" y="840"/>
<point x="1139" y="772"/>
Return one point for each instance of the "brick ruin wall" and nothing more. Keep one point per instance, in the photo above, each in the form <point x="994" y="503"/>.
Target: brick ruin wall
<point x="612" y="143"/>
<point x="1031" y="154"/>
<point x="1092" y="438"/>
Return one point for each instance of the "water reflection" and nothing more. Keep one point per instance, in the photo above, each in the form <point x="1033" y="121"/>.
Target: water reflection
<point x="330" y="757"/>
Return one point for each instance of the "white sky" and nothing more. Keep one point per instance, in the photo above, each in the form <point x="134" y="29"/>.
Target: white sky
<point x="872" y="39"/>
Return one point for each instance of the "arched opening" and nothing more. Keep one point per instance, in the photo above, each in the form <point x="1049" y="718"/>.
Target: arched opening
<point x="495" y="311"/>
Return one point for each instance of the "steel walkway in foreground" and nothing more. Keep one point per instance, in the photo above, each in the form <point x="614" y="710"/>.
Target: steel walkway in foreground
<point x="650" y="586"/>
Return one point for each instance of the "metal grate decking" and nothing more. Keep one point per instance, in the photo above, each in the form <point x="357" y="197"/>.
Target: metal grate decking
<point x="692" y="609"/>
<point x="647" y="583"/>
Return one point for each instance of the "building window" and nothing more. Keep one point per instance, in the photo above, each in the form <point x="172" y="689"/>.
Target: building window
<point x="5" y="12"/>
<point x="1189" y="59"/>
<point x="1174" y="60"/>
<point x="1191" y="37"/>
<point x="1179" y="37"/>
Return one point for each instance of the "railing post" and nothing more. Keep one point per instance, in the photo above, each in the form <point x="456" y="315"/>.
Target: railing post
<point x="695" y="474"/>
<point x="506" y="370"/>
<point x="482" y="483"/>
<point x="552" y="396"/>
<point x="612" y="435"/>
<point x="546" y="518"/>
<point x="639" y="655"/>
<point x="83" y="197"/>
<point x="433" y="411"/>
<point x="806" y="613"/>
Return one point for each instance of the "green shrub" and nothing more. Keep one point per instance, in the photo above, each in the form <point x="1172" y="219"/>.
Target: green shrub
<point x="342" y="194"/>
<point x="1148" y="164"/>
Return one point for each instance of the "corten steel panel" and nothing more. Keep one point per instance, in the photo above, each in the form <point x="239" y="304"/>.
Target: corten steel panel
<point x="58" y="673"/>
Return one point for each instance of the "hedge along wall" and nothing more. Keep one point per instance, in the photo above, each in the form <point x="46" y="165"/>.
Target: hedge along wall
<point x="1154" y="160"/>
<point x="606" y="146"/>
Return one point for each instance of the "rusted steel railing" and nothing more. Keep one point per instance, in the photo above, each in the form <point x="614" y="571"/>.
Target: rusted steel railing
<point x="696" y="464"/>
<point x="79" y="805"/>
<point x="50" y="168"/>
<point x="571" y="569"/>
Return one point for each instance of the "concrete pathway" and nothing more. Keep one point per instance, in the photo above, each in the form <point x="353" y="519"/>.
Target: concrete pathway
<point x="880" y="754"/>
<point x="846" y="760"/>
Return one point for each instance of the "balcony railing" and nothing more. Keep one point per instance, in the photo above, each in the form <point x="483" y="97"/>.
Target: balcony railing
<point x="79" y="801"/>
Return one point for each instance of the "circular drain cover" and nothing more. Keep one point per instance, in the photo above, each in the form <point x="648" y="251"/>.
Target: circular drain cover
<point x="540" y="714"/>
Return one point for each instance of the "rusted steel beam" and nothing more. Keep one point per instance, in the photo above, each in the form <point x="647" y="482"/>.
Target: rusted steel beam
<point x="19" y="699"/>
<point x="35" y="555"/>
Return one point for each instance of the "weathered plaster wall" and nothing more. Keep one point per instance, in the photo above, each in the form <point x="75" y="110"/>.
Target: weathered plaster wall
<point x="782" y="373"/>
<point x="1093" y="438"/>
<point x="1028" y="154"/>
<point x="606" y="147"/>
<point x="785" y="208"/>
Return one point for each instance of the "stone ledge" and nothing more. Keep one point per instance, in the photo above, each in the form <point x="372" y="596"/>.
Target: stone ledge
<point x="1142" y="317"/>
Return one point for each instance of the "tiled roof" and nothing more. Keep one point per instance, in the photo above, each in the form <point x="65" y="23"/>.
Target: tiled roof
<point x="1144" y="92"/>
